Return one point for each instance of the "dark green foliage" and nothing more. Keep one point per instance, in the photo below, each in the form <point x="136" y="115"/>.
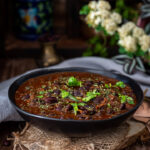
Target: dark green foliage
<point x="84" y="10"/>
<point x="96" y="48"/>
<point x="100" y="28"/>
<point x="127" y="12"/>
<point x="114" y="39"/>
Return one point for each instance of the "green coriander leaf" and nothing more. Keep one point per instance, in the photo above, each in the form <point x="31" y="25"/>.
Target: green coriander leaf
<point x="120" y="84"/>
<point x="73" y="98"/>
<point x="123" y="98"/>
<point x="86" y="99"/>
<point x="64" y="94"/>
<point x="108" y="105"/>
<point x="130" y="100"/>
<point x="95" y="92"/>
<point x="43" y="86"/>
<point x="41" y="92"/>
<point x="75" y="107"/>
<point x="107" y="85"/>
<point x="81" y="104"/>
<point x="39" y="96"/>
<point x="72" y="81"/>
<point x="90" y="95"/>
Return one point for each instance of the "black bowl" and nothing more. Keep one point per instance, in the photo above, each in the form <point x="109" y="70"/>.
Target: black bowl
<point x="74" y="127"/>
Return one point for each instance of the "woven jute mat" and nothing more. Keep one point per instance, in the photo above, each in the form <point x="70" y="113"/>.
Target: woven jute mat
<point x="33" y="138"/>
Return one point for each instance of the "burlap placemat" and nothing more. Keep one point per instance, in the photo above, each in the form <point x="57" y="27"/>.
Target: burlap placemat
<point x="33" y="138"/>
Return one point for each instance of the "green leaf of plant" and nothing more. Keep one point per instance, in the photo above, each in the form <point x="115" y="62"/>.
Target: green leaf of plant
<point x="75" y="107"/>
<point x="84" y="10"/>
<point x="122" y="50"/>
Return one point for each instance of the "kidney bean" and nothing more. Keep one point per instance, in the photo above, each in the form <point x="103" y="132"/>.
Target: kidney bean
<point x="77" y="93"/>
<point x="123" y="106"/>
<point x="98" y="100"/>
<point x="69" y="107"/>
<point x="59" y="107"/>
<point x="26" y="97"/>
<point x="57" y="91"/>
<point x="51" y="100"/>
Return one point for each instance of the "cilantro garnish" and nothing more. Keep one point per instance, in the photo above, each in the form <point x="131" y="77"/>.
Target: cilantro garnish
<point x="72" y="81"/>
<point x="108" y="105"/>
<point x="125" y="98"/>
<point x="42" y="92"/>
<point x="75" y="107"/>
<point x="90" y="95"/>
<point x="73" y="98"/>
<point x="65" y="94"/>
<point x="108" y="85"/>
<point x="39" y="96"/>
<point x="120" y="84"/>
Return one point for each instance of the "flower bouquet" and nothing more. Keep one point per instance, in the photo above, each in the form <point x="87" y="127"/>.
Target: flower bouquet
<point x="134" y="48"/>
<point x="134" y="44"/>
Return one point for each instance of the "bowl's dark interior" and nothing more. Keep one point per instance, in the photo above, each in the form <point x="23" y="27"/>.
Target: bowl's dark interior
<point x="74" y="127"/>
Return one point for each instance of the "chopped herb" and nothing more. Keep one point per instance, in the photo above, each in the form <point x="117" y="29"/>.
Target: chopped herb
<point x="64" y="94"/>
<point x="125" y="98"/>
<point x="73" y="98"/>
<point x="108" y="105"/>
<point x="39" y="96"/>
<point x="130" y="100"/>
<point x="108" y="85"/>
<point x="90" y="95"/>
<point x="120" y="84"/>
<point x="74" y="82"/>
<point x="81" y="104"/>
<point x="42" y="92"/>
<point x="75" y="107"/>
<point x="50" y="90"/>
<point x="43" y="86"/>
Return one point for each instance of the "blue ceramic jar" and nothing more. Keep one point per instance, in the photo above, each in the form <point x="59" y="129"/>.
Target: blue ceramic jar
<point x="33" y="18"/>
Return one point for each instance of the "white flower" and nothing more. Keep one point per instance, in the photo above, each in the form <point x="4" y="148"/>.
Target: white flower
<point x="97" y="21"/>
<point x="138" y="32"/>
<point x="129" y="43"/>
<point x="144" y="42"/>
<point x="129" y="25"/>
<point x="116" y="17"/>
<point x="92" y="5"/>
<point x="123" y="32"/>
<point x="110" y="26"/>
<point x="90" y="18"/>
<point x="101" y="4"/>
<point x="126" y="29"/>
<point x="103" y="14"/>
